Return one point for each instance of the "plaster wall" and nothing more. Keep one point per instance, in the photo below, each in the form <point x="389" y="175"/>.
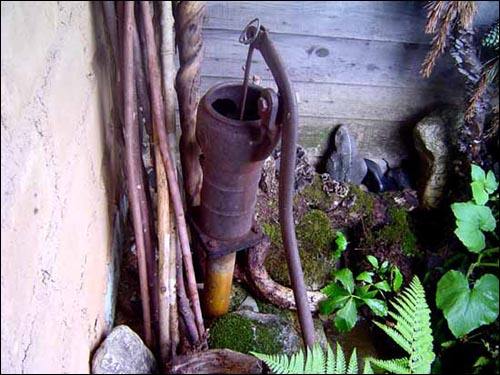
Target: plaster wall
<point x="58" y="196"/>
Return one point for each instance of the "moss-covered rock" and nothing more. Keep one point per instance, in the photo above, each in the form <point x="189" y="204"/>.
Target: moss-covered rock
<point x="316" y="242"/>
<point x="246" y="331"/>
<point x="395" y="231"/>
<point x="398" y="231"/>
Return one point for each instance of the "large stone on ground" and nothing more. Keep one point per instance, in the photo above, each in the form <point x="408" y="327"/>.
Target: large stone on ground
<point x="123" y="352"/>
<point x="431" y="143"/>
<point x="344" y="164"/>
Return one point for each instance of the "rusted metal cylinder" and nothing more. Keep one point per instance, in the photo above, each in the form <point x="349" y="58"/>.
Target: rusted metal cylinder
<point x="233" y="153"/>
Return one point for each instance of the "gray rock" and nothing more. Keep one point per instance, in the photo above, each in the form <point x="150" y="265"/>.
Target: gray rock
<point x="319" y="331"/>
<point x="249" y="304"/>
<point x="433" y="150"/>
<point x="123" y="352"/>
<point x="345" y="164"/>
<point x="238" y="295"/>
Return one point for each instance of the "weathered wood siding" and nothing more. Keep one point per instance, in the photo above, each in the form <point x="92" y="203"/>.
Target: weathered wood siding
<point x="352" y="62"/>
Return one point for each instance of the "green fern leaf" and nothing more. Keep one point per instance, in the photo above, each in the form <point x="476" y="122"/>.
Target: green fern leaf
<point x="412" y="332"/>
<point x="330" y="360"/>
<point x="340" y="365"/>
<point x="352" y="368"/>
<point x="491" y="38"/>
<point x="317" y="364"/>
<point x="368" y="368"/>
<point x="314" y="363"/>
<point x="296" y="363"/>
<point x="396" y="366"/>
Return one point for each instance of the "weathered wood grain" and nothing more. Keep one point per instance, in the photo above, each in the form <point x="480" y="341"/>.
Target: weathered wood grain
<point x="347" y="19"/>
<point x="332" y="60"/>
<point x="395" y="21"/>
<point x="217" y="361"/>
<point x="357" y="102"/>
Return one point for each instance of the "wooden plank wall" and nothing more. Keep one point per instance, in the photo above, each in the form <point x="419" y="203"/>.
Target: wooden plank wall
<point x="352" y="62"/>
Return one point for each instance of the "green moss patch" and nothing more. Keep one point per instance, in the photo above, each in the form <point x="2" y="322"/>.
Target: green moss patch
<point x="316" y="242"/>
<point x="242" y="334"/>
<point x="398" y="231"/>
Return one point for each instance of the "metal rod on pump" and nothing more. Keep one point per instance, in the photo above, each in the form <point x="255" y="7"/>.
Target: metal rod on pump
<point x="258" y="37"/>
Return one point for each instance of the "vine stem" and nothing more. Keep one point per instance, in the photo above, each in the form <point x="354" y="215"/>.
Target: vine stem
<point x="479" y="264"/>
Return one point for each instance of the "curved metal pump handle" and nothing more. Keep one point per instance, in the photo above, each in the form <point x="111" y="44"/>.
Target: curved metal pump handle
<point x="258" y="37"/>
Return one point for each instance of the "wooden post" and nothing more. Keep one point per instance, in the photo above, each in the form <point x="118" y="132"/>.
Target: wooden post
<point x="167" y="239"/>
<point x="188" y="24"/>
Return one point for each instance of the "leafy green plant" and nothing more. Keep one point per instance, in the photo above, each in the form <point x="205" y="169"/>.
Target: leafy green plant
<point x="345" y="297"/>
<point x="341" y="243"/>
<point x="315" y="362"/>
<point x="390" y="276"/>
<point x="466" y="309"/>
<point x="412" y="332"/>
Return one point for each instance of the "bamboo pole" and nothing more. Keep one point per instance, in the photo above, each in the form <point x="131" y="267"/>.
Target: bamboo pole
<point x="134" y="183"/>
<point x="169" y="326"/>
<point x="158" y="116"/>
<point x="144" y="122"/>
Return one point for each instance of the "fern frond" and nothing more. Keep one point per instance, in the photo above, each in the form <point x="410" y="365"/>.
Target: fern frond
<point x="368" y="368"/>
<point x="340" y="364"/>
<point x="330" y="360"/>
<point x="412" y="332"/>
<point x="318" y="364"/>
<point x="352" y="368"/>
<point x="281" y="364"/>
<point x="396" y="366"/>
<point x="296" y="364"/>
<point x="314" y="363"/>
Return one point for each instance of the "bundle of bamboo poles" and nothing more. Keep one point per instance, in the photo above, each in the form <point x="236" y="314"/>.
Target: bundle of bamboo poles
<point x="145" y="99"/>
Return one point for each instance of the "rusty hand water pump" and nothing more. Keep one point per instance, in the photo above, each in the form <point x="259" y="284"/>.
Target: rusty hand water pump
<point x="237" y="129"/>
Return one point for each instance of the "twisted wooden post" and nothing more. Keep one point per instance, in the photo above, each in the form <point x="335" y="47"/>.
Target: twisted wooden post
<point x="188" y="23"/>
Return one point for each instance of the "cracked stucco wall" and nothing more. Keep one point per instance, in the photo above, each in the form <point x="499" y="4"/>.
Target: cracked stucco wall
<point x="57" y="195"/>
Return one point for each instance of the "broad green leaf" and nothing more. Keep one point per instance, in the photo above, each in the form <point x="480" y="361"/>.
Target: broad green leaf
<point x="397" y="278"/>
<point x="478" y="193"/>
<point x="341" y="241"/>
<point x="466" y="309"/>
<point x="373" y="261"/>
<point x="365" y="276"/>
<point x="345" y="319"/>
<point x="326" y="307"/>
<point x="383" y="285"/>
<point x="471" y="237"/>
<point x="333" y="289"/>
<point x="346" y="278"/>
<point x="365" y="292"/>
<point x="378" y="306"/>
<point x="487" y="221"/>
<point x="477" y="173"/>
<point x="491" y="184"/>
<point x="334" y="302"/>
<point x="471" y="219"/>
